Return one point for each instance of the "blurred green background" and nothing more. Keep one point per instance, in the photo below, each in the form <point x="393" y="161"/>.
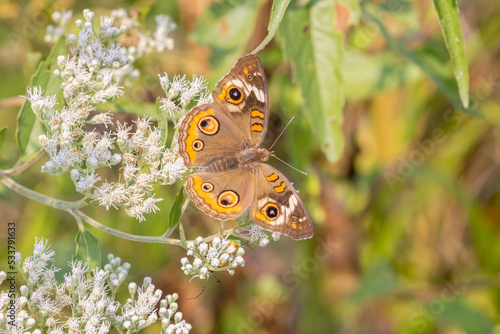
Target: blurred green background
<point x="402" y="187"/>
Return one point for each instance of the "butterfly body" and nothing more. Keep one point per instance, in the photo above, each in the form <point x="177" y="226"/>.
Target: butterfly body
<point x="223" y="139"/>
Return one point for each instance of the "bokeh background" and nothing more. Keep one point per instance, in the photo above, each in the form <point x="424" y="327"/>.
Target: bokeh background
<point x="406" y="214"/>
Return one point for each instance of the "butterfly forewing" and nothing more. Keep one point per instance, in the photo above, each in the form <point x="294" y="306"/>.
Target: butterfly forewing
<point x="207" y="135"/>
<point x="244" y="98"/>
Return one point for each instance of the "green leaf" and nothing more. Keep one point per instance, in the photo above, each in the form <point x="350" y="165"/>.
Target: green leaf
<point x="226" y="28"/>
<point x="176" y="210"/>
<point x="315" y="52"/>
<point x="87" y="248"/>
<point x="377" y="280"/>
<point x="28" y="126"/>
<point x="182" y="236"/>
<point x="161" y="117"/>
<point x="429" y="63"/>
<point x="472" y="319"/>
<point x="277" y="12"/>
<point x="449" y="19"/>
<point x="239" y="242"/>
<point x="2" y="137"/>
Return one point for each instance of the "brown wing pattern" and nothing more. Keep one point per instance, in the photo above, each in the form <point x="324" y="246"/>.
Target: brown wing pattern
<point x="277" y="206"/>
<point x="244" y="98"/>
<point x="222" y="195"/>
<point x="206" y="135"/>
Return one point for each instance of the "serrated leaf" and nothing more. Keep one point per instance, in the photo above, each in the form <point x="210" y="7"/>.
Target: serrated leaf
<point x="182" y="236"/>
<point x="87" y="248"/>
<point x="161" y="117"/>
<point x="28" y="126"/>
<point x="314" y="50"/>
<point x="449" y="19"/>
<point x="176" y="210"/>
<point x="2" y="137"/>
<point x="277" y="12"/>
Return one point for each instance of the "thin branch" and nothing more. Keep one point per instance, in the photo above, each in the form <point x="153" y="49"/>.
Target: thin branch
<point x="44" y="199"/>
<point x="25" y="165"/>
<point x="133" y="237"/>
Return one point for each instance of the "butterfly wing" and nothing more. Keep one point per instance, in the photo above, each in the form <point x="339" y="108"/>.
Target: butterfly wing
<point x="206" y="135"/>
<point x="222" y="195"/>
<point x="277" y="206"/>
<point x="244" y="98"/>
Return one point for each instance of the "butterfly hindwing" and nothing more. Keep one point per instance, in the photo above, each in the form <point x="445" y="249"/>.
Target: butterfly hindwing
<point x="222" y="195"/>
<point x="244" y="98"/>
<point x="277" y="206"/>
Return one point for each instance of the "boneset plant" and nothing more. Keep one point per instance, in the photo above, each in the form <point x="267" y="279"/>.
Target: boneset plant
<point x="86" y="301"/>
<point x="87" y="70"/>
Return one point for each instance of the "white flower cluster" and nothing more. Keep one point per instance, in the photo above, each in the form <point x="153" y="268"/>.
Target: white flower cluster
<point x="61" y="20"/>
<point x="180" y="92"/>
<point x="90" y="76"/>
<point x="258" y="236"/>
<point x="149" y="42"/>
<point x="140" y="313"/>
<point x="221" y="254"/>
<point x="145" y="162"/>
<point x="88" y="295"/>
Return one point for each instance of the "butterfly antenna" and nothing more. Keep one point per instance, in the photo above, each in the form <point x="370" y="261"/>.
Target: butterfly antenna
<point x="286" y="163"/>
<point x="290" y="121"/>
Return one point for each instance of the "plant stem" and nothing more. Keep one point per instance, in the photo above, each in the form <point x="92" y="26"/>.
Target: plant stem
<point x="74" y="209"/>
<point x="128" y="236"/>
<point x="25" y="165"/>
<point x="28" y="193"/>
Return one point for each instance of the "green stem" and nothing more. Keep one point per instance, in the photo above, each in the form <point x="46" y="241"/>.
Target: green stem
<point x="123" y="235"/>
<point x="73" y="208"/>
<point x="22" y="167"/>
<point x="28" y="193"/>
<point x="224" y="233"/>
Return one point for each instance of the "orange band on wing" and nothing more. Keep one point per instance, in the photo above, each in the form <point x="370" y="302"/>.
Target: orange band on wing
<point x="257" y="113"/>
<point x="210" y="198"/>
<point x="256" y="128"/>
<point x="280" y="188"/>
<point x="273" y="177"/>
<point x="192" y="129"/>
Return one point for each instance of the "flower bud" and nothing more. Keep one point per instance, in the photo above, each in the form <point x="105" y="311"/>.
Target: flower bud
<point x="178" y="317"/>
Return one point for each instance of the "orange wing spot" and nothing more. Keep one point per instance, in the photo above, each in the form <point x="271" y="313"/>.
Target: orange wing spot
<point x="246" y="71"/>
<point x="260" y="216"/>
<point x="193" y="126"/>
<point x="294" y="226"/>
<point x="223" y="94"/>
<point x="280" y="188"/>
<point x="273" y="177"/>
<point x="210" y="198"/>
<point x="256" y="128"/>
<point x="257" y="113"/>
<point x="300" y="227"/>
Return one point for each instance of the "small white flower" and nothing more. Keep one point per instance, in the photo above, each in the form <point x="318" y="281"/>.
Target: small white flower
<point x="169" y="106"/>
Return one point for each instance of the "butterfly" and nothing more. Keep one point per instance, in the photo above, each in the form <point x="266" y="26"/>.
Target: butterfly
<point x="223" y="139"/>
